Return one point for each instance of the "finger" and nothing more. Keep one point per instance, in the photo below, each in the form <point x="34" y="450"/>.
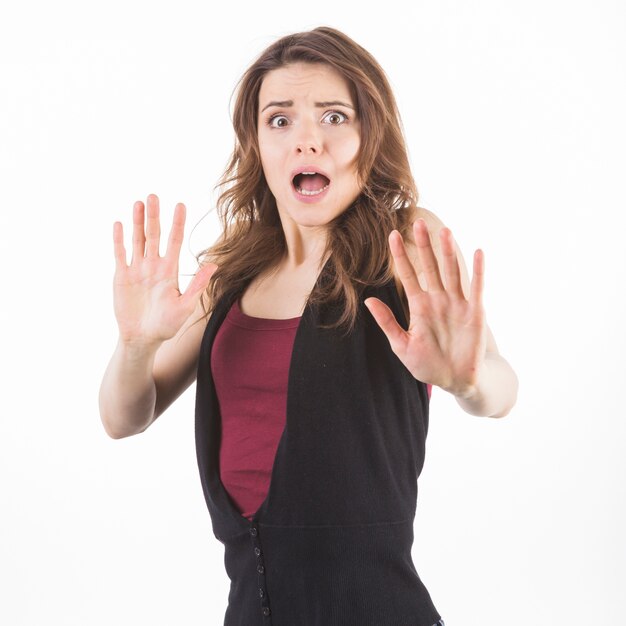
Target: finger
<point x="404" y="266"/>
<point x="198" y="284"/>
<point x="478" y="278"/>
<point x="386" y="320"/>
<point x="153" y="228"/>
<point x="426" y="255"/>
<point x="118" y="246"/>
<point x="139" y="238"/>
<point x="450" y="264"/>
<point x="175" y="241"/>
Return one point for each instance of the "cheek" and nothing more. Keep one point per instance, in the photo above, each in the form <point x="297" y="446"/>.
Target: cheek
<point x="269" y="152"/>
<point x="268" y="162"/>
<point x="349" y="151"/>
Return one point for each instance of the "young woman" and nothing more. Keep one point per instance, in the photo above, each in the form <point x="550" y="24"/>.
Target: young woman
<point x="315" y="328"/>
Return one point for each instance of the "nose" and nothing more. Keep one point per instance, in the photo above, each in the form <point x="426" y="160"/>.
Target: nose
<point x="307" y="148"/>
<point x="308" y="140"/>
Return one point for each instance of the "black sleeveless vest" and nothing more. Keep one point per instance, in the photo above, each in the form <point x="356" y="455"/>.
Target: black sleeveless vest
<point x="331" y="543"/>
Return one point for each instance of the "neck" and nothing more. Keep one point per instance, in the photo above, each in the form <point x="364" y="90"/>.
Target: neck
<point x="305" y="247"/>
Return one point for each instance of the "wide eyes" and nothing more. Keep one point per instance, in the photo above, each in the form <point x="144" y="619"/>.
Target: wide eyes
<point x="335" y="118"/>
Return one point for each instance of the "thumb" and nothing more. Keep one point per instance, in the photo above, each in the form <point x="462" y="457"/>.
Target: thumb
<point x="386" y="320"/>
<point x="198" y="284"/>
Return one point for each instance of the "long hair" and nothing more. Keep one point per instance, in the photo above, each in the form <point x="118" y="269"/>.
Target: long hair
<point x="357" y="246"/>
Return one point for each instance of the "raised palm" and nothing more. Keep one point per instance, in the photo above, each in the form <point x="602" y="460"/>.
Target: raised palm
<point x="148" y="304"/>
<point x="444" y="344"/>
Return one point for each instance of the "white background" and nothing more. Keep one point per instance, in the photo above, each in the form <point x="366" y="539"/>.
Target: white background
<point x="514" y="117"/>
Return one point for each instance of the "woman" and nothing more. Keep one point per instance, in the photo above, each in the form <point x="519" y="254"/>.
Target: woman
<point x="311" y="411"/>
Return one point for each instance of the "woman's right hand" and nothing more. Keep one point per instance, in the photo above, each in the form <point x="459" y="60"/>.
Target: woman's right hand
<point x="149" y="307"/>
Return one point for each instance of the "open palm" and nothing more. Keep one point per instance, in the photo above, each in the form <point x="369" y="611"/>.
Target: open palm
<point x="446" y="338"/>
<point x="148" y="304"/>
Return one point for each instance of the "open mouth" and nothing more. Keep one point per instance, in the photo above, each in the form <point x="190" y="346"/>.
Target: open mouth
<point x="310" y="184"/>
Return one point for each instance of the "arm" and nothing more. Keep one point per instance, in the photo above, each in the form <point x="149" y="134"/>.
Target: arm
<point x="157" y="352"/>
<point x="141" y="382"/>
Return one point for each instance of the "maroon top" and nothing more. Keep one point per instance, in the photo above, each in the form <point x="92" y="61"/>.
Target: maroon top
<point x="250" y="369"/>
<point x="250" y="365"/>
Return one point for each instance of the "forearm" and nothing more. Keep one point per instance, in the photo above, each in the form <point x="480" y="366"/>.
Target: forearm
<point x="495" y="392"/>
<point x="128" y="393"/>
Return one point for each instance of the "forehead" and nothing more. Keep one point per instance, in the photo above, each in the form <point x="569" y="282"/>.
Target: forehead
<point x="303" y="81"/>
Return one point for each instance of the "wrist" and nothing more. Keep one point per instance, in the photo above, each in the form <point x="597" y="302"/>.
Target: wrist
<point x="469" y="390"/>
<point x="138" y="349"/>
<point x="495" y="389"/>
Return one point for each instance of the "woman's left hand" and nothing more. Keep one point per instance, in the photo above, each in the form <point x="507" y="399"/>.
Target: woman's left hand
<point x="446" y="339"/>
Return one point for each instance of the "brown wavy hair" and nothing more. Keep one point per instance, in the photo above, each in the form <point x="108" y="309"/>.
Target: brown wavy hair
<point x="357" y="246"/>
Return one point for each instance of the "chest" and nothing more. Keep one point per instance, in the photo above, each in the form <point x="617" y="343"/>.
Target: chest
<point x="278" y="295"/>
<point x="283" y="295"/>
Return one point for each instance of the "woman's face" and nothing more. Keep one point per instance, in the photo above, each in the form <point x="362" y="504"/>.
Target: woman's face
<point x="307" y="122"/>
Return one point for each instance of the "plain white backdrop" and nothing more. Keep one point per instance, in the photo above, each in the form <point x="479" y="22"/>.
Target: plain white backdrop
<point x="514" y="118"/>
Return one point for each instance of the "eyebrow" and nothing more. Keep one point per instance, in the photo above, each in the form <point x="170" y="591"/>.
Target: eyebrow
<point x="321" y="105"/>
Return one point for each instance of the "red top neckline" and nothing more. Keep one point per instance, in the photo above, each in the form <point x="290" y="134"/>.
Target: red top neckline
<point x="239" y="318"/>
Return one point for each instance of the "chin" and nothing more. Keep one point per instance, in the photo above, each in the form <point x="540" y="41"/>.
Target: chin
<point x="311" y="221"/>
<point x="312" y="216"/>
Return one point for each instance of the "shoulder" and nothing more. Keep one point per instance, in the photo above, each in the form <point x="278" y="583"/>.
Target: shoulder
<point x="432" y="221"/>
<point x="434" y="224"/>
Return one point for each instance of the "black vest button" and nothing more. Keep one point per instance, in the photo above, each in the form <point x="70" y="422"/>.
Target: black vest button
<point x="261" y="594"/>
<point x="260" y="569"/>
<point x="266" y="610"/>
<point x="253" y="531"/>
<point x="257" y="551"/>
